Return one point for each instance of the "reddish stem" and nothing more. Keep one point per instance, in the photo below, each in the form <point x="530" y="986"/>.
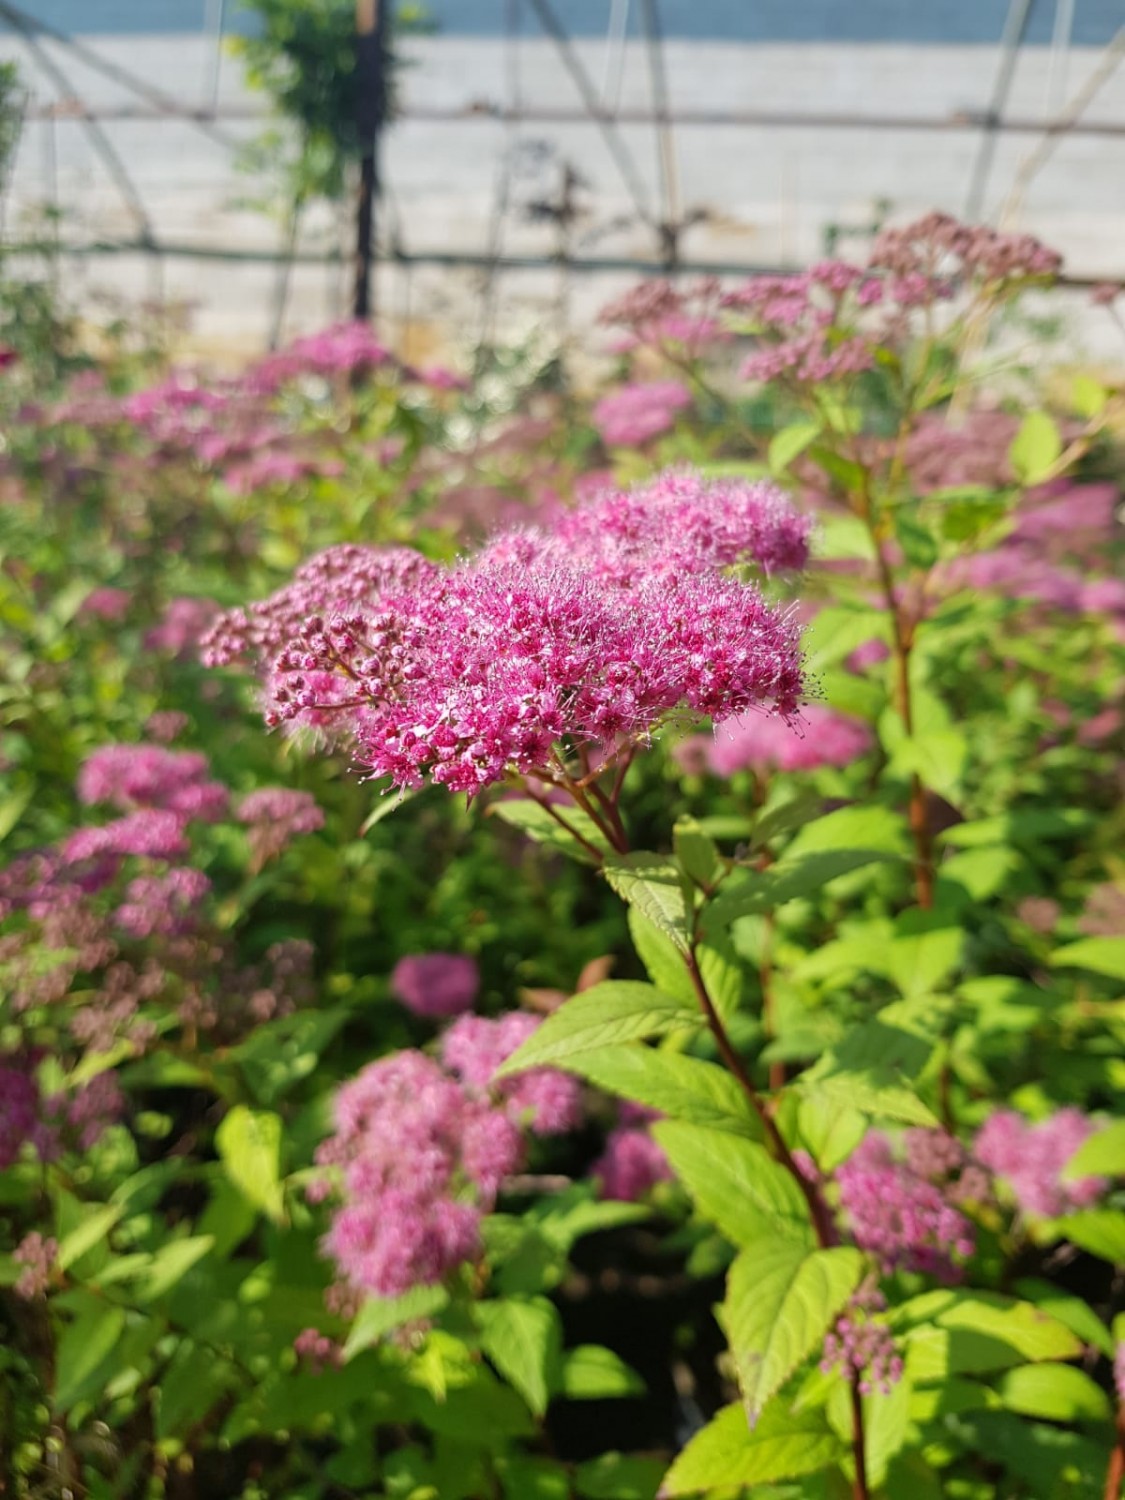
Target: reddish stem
<point x="1115" y="1474"/>
<point x="859" y="1453"/>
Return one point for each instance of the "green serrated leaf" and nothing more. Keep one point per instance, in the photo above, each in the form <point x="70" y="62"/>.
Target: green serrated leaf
<point x="726" y="1454"/>
<point x="755" y="892"/>
<point x="249" y="1146"/>
<point x="782" y="1298"/>
<point x="617" y="1010"/>
<point x="654" y="885"/>
<point x="544" y="827"/>
<point x="523" y="1339"/>
<point x="735" y="1183"/>
<point x="381" y="1315"/>
<point x="696" y="852"/>
<point x="684" y="1088"/>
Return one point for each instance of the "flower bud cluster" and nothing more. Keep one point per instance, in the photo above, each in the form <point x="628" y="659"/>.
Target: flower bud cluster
<point x="860" y="1345"/>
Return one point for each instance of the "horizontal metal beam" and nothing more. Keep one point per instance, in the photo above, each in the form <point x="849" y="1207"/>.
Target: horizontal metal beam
<point x="468" y="260"/>
<point x="486" y="113"/>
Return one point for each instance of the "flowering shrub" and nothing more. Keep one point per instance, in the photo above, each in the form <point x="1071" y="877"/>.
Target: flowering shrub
<point x="737" y="1045"/>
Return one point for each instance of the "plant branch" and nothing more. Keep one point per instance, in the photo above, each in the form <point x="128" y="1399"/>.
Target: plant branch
<point x="859" y="1447"/>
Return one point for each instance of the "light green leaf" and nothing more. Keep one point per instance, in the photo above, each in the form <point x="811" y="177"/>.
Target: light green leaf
<point x="735" y="1183"/>
<point x="696" y="852"/>
<point x="249" y="1146"/>
<point x="533" y="819"/>
<point x="872" y="1067"/>
<point x="755" y="892"/>
<point x="955" y="1332"/>
<point x="726" y="1454"/>
<point x="92" y="1230"/>
<point x="863" y="826"/>
<point x="1102" y="1155"/>
<point x="664" y="961"/>
<point x="926" y="949"/>
<point x="1088" y="396"/>
<point x="1035" y="448"/>
<point x="781" y="1301"/>
<point x="830" y="1129"/>
<point x="380" y="1315"/>
<point x="592" y="1373"/>
<point x="84" y="1347"/>
<point x="618" y="1476"/>
<point x="1101" y="955"/>
<point x="1057" y="1393"/>
<point x="654" y="885"/>
<point x="170" y="1265"/>
<point x="618" y="1010"/>
<point x="684" y="1088"/>
<point x="523" y="1339"/>
<point x="791" y="441"/>
<point x="1101" y="1231"/>
<point x="1078" y="1316"/>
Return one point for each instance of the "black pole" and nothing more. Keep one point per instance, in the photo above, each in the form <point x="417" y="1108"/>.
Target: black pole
<point x="370" y="33"/>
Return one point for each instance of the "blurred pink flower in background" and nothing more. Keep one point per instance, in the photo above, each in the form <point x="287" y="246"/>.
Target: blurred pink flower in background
<point x="819" y="736"/>
<point x="636" y="413"/>
<point x="436" y="984"/>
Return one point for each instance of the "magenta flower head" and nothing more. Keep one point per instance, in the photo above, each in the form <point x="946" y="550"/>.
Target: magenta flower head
<point x="544" y="1100"/>
<point x="1031" y="1158"/>
<point x="631" y="1165"/>
<point x="903" y="1216"/>
<point x="635" y="413"/>
<point x="436" y="984"/>
<point x="547" y="644"/>
<point x="420" y="1161"/>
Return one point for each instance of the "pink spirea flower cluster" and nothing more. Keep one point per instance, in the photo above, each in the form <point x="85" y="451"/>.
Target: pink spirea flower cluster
<point x="162" y="904"/>
<point x="274" y="816"/>
<point x="21" y="1109"/>
<point x="544" y="1100"/>
<point x="436" y="984"/>
<point x="421" y="1158"/>
<point x="36" y="1254"/>
<point x="818" y="736"/>
<point x="638" y="412"/>
<point x="595" y="633"/>
<point x="339" y="350"/>
<point x="905" y="1218"/>
<point x="632" y="1163"/>
<point x="131" y="777"/>
<point x="1031" y="1158"/>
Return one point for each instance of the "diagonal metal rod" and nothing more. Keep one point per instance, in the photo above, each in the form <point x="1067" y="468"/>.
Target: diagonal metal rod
<point x="584" y="84"/>
<point x="1063" y="124"/>
<point x="665" y="140"/>
<point x="1014" y="27"/>
<point x="98" y="138"/>
<point x="26" y="25"/>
